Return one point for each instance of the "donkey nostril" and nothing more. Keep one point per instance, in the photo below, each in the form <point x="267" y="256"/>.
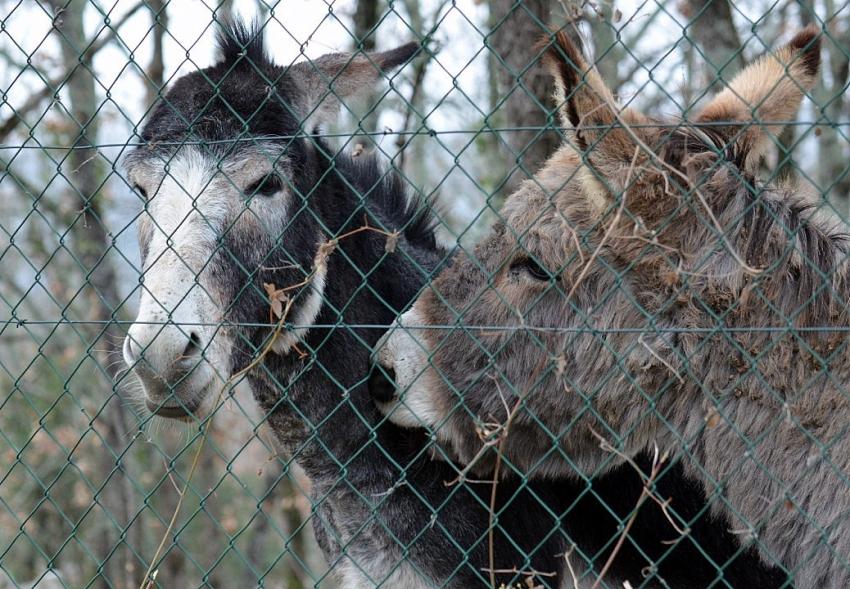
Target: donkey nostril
<point x="193" y="348"/>
<point x="382" y="384"/>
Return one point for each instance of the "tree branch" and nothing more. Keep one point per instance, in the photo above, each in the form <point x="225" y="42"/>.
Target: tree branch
<point x="53" y="85"/>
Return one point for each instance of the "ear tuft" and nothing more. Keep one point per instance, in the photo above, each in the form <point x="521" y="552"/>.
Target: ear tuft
<point x="567" y="66"/>
<point x="808" y="43"/>
<point x="236" y="40"/>
<point x="564" y="59"/>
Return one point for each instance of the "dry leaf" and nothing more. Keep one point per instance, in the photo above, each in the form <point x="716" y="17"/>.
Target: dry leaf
<point x="712" y="418"/>
<point x="561" y="365"/>
<point x="277" y="298"/>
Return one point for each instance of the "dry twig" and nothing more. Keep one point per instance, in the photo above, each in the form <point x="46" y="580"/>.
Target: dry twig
<point x="644" y="495"/>
<point x="586" y="268"/>
<point x="570" y="566"/>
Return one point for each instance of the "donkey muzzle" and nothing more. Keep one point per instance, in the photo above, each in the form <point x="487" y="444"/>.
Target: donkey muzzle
<point x="170" y="364"/>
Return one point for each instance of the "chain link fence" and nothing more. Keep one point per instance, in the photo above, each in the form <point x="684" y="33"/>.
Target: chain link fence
<point x="95" y="491"/>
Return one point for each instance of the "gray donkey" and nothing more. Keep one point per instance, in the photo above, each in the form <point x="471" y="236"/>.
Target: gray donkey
<point x="645" y="291"/>
<point x="268" y="254"/>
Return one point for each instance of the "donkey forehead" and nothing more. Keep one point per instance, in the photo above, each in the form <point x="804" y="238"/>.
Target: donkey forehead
<point x="224" y="103"/>
<point x="198" y="162"/>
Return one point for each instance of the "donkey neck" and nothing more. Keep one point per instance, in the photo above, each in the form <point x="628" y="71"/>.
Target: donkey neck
<point x="383" y="241"/>
<point x="318" y="403"/>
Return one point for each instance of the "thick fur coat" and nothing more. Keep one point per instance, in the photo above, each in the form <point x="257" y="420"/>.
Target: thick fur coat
<point x="647" y="290"/>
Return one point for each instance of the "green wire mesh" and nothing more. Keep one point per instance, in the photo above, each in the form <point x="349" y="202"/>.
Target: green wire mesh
<point x="88" y="482"/>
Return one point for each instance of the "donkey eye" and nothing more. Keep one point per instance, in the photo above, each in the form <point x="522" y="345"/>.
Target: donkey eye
<point x="533" y="269"/>
<point x="268" y="185"/>
<point x="142" y="192"/>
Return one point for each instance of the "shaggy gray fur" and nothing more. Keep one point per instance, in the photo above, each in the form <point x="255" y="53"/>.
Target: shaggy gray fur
<point x="647" y="290"/>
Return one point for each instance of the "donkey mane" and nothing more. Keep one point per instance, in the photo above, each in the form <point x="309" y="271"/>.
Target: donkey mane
<point x="686" y="139"/>
<point x="799" y="251"/>
<point x="385" y="191"/>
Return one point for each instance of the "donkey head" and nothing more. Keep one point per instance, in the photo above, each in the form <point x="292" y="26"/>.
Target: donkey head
<point x="549" y="309"/>
<point x="228" y="176"/>
<point x="631" y="155"/>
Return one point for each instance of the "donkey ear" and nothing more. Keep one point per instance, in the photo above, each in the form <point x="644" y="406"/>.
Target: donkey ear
<point x="765" y="95"/>
<point x="588" y="110"/>
<point x="325" y="82"/>
<point x="579" y="91"/>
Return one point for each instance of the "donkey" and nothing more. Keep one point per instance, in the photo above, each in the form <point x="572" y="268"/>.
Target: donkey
<point x="266" y="253"/>
<point x="261" y="249"/>
<point x="649" y="291"/>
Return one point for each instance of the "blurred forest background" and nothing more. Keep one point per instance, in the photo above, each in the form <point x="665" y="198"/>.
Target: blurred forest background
<point x="87" y="482"/>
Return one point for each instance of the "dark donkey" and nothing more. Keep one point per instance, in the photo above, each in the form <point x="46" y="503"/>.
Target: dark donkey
<point x="249" y="222"/>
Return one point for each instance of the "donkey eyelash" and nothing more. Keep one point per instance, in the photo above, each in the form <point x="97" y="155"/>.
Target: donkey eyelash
<point x="534" y="269"/>
<point x="268" y="185"/>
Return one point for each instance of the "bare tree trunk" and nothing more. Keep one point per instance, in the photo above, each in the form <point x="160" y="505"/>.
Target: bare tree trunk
<point x="366" y="17"/>
<point x="206" y="478"/>
<point x="257" y="549"/>
<point x="286" y="503"/>
<point x="412" y="146"/>
<point x="712" y="27"/>
<point x="408" y="143"/>
<point x="173" y="567"/>
<point x="280" y="491"/>
<point x="156" y="67"/>
<point x="786" y="166"/>
<point x="524" y="88"/>
<point x="834" y="176"/>
<point x="91" y="244"/>
<point x="607" y="53"/>
<point x="365" y="20"/>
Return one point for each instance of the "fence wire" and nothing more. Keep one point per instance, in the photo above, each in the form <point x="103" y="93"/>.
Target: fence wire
<point x="626" y="365"/>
